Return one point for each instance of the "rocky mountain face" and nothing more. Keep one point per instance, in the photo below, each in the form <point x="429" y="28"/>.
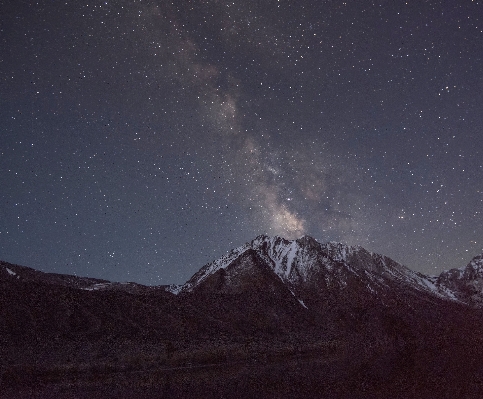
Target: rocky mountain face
<point x="305" y="265"/>
<point x="272" y="318"/>
<point x="465" y="284"/>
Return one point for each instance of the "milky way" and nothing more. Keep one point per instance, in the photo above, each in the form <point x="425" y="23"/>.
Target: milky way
<point x="142" y="139"/>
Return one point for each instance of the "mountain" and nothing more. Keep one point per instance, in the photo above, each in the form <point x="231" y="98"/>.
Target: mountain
<point x="307" y="265"/>
<point x="272" y="318"/>
<point x="465" y="284"/>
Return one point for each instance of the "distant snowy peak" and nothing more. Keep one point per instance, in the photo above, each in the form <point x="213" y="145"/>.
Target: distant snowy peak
<point x="290" y="260"/>
<point x="465" y="284"/>
<point x="298" y="261"/>
<point x="304" y="263"/>
<point x="474" y="269"/>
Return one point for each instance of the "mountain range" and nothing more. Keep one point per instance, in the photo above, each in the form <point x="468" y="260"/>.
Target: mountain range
<point x="306" y="264"/>
<point x="272" y="318"/>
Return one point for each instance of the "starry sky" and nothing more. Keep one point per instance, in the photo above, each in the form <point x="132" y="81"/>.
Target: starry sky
<point x="141" y="139"/>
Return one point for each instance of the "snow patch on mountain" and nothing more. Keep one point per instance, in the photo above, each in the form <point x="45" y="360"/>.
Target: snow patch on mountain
<point x="11" y="272"/>
<point x="98" y="286"/>
<point x="174" y="288"/>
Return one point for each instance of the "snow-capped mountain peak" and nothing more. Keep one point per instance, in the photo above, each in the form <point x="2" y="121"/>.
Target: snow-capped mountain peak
<point x="298" y="261"/>
<point x="305" y="262"/>
<point x="465" y="284"/>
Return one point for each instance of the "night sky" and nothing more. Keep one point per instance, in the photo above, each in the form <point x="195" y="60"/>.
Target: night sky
<point x="140" y="140"/>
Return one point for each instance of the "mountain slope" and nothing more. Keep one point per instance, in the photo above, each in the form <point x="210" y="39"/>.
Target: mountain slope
<point x="306" y="264"/>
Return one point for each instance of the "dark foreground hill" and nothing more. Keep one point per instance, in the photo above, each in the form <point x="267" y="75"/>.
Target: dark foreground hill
<point x="273" y="318"/>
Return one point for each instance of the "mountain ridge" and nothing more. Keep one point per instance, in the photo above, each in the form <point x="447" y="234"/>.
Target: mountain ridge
<point x="296" y="261"/>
